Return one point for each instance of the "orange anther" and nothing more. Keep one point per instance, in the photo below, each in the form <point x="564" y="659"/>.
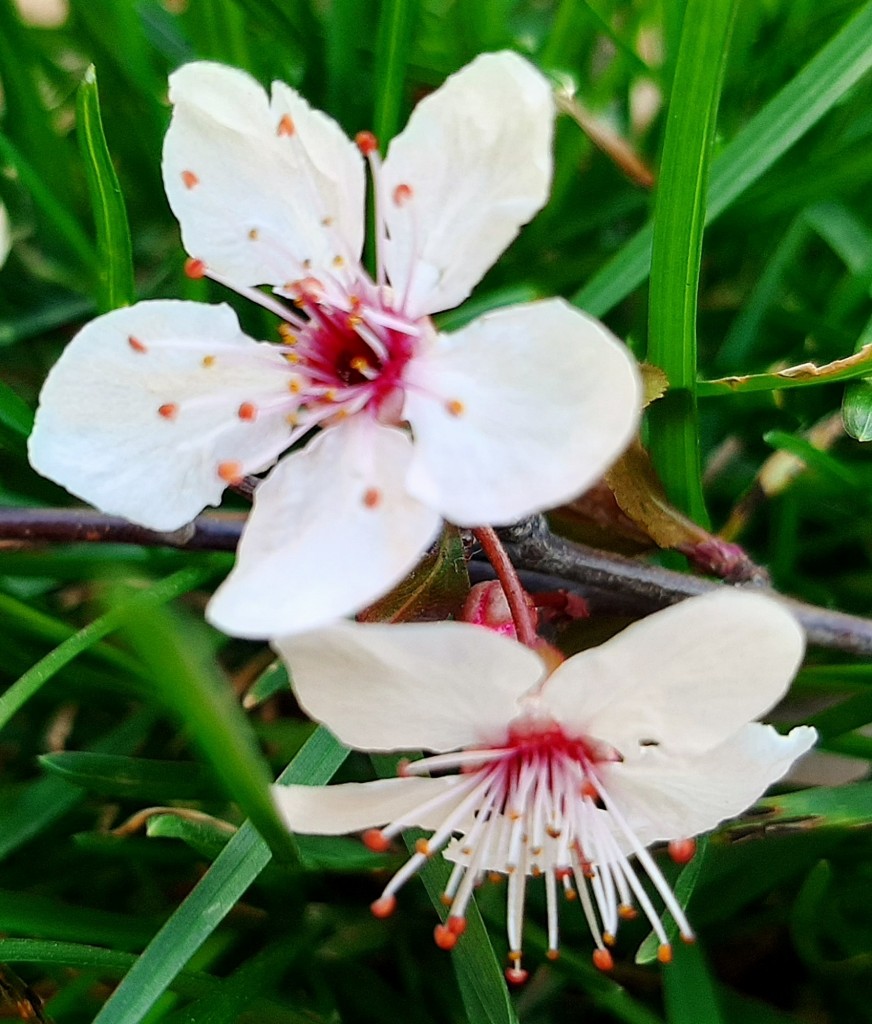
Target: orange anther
<point x="189" y="179"/>
<point x="553" y="954"/>
<point x="627" y="913"/>
<point x="136" y="344"/>
<point x="169" y="410"/>
<point x="372" y="497"/>
<point x="444" y="937"/>
<point x="374" y="839"/>
<point x="455" y="407"/>
<point x="247" y="412"/>
<point x="208" y="361"/>
<point x="516" y="975"/>
<point x="286" y="125"/>
<point x="609" y="939"/>
<point x="366" y="142"/>
<point x="589" y="790"/>
<point x="682" y="850"/>
<point x="402" y="194"/>
<point x="422" y="847"/>
<point x="383" y="907"/>
<point x="456" y="924"/>
<point x="603" y="960"/>
<point x="195" y="269"/>
<point x="664" y="954"/>
<point x="253" y="234"/>
<point x="230" y="472"/>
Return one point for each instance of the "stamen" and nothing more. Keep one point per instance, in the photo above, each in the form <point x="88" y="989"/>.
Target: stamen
<point x="247" y="412"/>
<point x="137" y="345"/>
<point x="286" y="126"/>
<point x="189" y="179"/>
<point x="169" y="410"/>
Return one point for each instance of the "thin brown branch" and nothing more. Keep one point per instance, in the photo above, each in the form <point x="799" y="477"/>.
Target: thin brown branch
<point x="531" y="546"/>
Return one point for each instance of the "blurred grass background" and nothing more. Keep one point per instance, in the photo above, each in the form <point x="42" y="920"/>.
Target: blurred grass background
<point x="127" y="700"/>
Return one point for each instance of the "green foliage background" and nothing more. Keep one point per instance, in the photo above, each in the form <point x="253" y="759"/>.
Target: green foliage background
<point x="757" y="118"/>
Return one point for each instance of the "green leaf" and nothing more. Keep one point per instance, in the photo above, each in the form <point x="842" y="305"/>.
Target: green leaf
<point x="115" y="259"/>
<point x="37" y="676"/>
<point x="768" y="135"/>
<point x="679" y="218"/>
<point x="391" y="51"/>
<point x="16" y="419"/>
<point x="133" y="778"/>
<point x="683" y="889"/>
<point x="67" y="229"/>
<point x="84" y="957"/>
<point x="823" y="807"/>
<point x="688" y="989"/>
<point x="26" y="812"/>
<point x="435" y="589"/>
<point x="233" y="871"/>
<point x="206" y="836"/>
<point x="177" y="651"/>
<point x="803" y="375"/>
<point x="273" y="680"/>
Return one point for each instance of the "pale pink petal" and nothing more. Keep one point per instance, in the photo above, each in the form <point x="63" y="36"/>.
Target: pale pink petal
<point x="146" y="403"/>
<point x="265" y="192"/>
<point x="685" y="678"/>
<point x="331" y="530"/>
<point x="472" y="166"/>
<point x="438" y="685"/>
<point x="354" y="806"/>
<point x="664" y="797"/>
<point x="518" y="412"/>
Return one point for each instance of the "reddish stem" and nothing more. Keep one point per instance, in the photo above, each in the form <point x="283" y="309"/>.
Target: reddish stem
<point x="516" y="596"/>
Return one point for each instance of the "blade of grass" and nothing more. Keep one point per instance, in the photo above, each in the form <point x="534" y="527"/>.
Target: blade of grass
<point x="67" y="228"/>
<point x="82" y="957"/>
<point x="768" y="135"/>
<point x="233" y="871"/>
<point x="679" y="217"/>
<point x="27" y="812"/>
<point x="115" y="259"/>
<point x="392" y="47"/>
<point x="36" y="677"/>
<point x="179" y="654"/>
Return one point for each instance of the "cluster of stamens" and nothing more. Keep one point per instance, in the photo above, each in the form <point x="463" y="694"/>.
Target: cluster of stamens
<point x="346" y="339"/>
<point x="535" y="806"/>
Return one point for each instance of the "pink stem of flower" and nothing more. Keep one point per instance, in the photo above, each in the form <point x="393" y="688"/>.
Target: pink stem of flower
<point x="516" y="596"/>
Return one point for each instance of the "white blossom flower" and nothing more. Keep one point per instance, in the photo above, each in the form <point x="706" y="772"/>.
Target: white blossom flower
<point x="153" y="410"/>
<point x="565" y="775"/>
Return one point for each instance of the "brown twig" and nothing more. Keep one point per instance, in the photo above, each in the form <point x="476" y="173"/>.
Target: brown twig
<point x="530" y="544"/>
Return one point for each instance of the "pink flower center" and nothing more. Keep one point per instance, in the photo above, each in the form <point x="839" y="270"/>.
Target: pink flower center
<point x="353" y="357"/>
<point x="535" y="806"/>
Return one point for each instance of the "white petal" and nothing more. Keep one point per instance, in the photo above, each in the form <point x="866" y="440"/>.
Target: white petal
<point x="518" y="412"/>
<point x="331" y="530"/>
<point x="5" y="235"/>
<point x="100" y="433"/>
<point x="354" y="806"/>
<point x="666" y="797"/>
<point x="251" y="199"/>
<point x="439" y="685"/>
<point x="477" y="156"/>
<point x="686" y="677"/>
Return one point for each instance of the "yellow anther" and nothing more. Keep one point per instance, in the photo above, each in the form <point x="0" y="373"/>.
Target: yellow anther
<point x="454" y="407"/>
<point x="338" y="261"/>
<point x="208" y="361"/>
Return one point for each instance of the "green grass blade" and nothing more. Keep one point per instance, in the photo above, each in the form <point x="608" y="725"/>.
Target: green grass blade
<point x="787" y="117"/>
<point x="59" y="219"/>
<point x="178" y="652"/>
<point x="679" y="217"/>
<point x="392" y="47"/>
<point x="688" y="989"/>
<point x="233" y="871"/>
<point x="115" y="259"/>
<point x="479" y="976"/>
<point x="16" y="419"/>
<point x="27" y="812"/>
<point x="37" y="676"/>
<point x="94" y="958"/>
